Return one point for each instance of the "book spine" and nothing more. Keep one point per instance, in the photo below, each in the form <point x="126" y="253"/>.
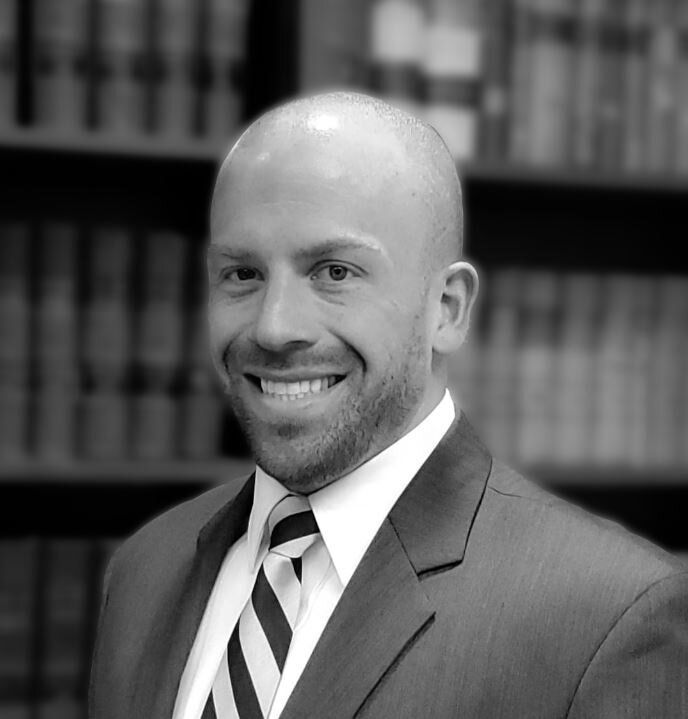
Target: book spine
<point x="64" y="621"/>
<point x="158" y="345"/>
<point x="521" y="89"/>
<point x="496" y="61"/>
<point x="451" y="75"/>
<point x="500" y="360"/>
<point x="106" y="345"/>
<point x="18" y="570"/>
<point x="120" y="90"/>
<point x="551" y="66"/>
<point x="536" y="366"/>
<point x="14" y="339"/>
<point x="614" y="375"/>
<point x="609" y="119"/>
<point x="227" y="50"/>
<point x="575" y="369"/>
<point x="332" y="44"/>
<point x="8" y="63"/>
<point x="59" y="78"/>
<point x="663" y="62"/>
<point x="682" y="91"/>
<point x="175" y="91"/>
<point x="201" y="403"/>
<point x="635" y="85"/>
<point x="667" y="374"/>
<point x="586" y="88"/>
<point x="397" y="40"/>
<point x="55" y="346"/>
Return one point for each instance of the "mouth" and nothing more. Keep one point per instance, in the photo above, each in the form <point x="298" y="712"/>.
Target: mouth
<point x="296" y="388"/>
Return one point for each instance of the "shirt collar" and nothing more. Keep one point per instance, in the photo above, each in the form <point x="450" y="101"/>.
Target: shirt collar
<point x="350" y="511"/>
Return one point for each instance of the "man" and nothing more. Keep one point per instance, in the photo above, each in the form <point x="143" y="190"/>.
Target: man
<point x="379" y="563"/>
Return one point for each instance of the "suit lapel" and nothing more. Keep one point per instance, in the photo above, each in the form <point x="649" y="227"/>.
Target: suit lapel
<point x="384" y="608"/>
<point x="178" y="613"/>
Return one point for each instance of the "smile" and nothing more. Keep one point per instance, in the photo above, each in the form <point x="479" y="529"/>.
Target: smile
<point x="296" y="389"/>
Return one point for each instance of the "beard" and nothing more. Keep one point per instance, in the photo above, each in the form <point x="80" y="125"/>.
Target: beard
<point x="304" y="456"/>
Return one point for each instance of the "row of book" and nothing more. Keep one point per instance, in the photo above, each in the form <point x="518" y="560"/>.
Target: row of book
<point x="103" y="345"/>
<point x="50" y="591"/>
<point x="578" y="83"/>
<point x="168" y="68"/>
<point x="580" y="369"/>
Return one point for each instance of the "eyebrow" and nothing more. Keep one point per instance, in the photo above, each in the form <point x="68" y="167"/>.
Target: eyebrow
<point x="326" y="247"/>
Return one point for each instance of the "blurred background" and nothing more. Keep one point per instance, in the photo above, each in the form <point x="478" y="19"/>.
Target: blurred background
<point x="568" y="120"/>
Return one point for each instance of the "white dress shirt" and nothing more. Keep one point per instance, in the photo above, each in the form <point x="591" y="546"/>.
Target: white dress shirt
<point x="349" y="513"/>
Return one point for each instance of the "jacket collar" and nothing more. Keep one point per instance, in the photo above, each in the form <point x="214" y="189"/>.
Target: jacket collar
<point x="385" y="609"/>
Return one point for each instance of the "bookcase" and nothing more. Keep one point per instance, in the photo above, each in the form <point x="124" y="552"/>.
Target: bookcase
<point x="582" y="327"/>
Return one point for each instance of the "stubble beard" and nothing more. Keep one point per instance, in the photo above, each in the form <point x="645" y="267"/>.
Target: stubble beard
<point x="305" y="458"/>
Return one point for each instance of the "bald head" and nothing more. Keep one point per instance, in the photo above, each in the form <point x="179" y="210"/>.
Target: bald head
<point x="364" y="145"/>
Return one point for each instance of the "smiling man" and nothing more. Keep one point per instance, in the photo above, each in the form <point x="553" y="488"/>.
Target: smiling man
<point x="378" y="562"/>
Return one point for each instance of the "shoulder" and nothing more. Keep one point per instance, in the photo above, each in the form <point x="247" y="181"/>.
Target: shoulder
<point x="590" y="554"/>
<point x="173" y="533"/>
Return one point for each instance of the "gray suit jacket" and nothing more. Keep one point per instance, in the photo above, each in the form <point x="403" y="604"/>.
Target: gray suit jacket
<point x="481" y="596"/>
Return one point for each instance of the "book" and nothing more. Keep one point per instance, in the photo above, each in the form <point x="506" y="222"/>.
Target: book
<point x="614" y="371"/>
<point x="18" y="578"/>
<point x="106" y="317"/>
<point x="666" y="373"/>
<point x="497" y="47"/>
<point x="59" y="79"/>
<point x="551" y="57"/>
<point x="332" y="44"/>
<point x="8" y="63"/>
<point x="536" y="362"/>
<point x="55" y="346"/>
<point x="682" y="90"/>
<point x="200" y="401"/>
<point x="520" y="87"/>
<point x="499" y="380"/>
<point x="451" y="74"/>
<point x="586" y="81"/>
<point x="158" y="325"/>
<point x="64" y="622"/>
<point x="574" y="372"/>
<point x="227" y="50"/>
<point x="662" y="83"/>
<point x="120" y="87"/>
<point x="609" y="121"/>
<point x="397" y="42"/>
<point x="15" y="309"/>
<point x="635" y="83"/>
<point x="174" y="96"/>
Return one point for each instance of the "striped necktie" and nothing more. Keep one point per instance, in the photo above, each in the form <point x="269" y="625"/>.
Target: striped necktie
<point x="258" y="647"/>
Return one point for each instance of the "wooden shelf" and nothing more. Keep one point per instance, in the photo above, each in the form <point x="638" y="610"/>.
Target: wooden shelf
<point x="573" y="178"/>
<point x="125" y="472"/>
<point x="211" y="151"/>
<point x="607" y="477"/>
<point x="99" y="143"/>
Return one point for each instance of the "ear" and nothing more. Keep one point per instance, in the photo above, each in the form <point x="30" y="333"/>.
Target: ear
<point x="458" y="295"/>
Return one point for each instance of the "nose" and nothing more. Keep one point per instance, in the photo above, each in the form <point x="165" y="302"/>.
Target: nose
<point x="285" y="317"/>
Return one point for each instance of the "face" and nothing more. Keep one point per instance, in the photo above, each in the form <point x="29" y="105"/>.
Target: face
<point x="319" y="317"/>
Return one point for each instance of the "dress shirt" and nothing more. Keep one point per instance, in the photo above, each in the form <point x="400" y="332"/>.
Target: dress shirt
<point x="349" y="513"/>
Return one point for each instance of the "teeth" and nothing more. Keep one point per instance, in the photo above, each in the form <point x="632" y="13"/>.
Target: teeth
<point x="296" y="390"/>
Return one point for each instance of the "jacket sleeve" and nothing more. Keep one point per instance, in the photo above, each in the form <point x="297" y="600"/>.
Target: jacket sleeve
<point x="640" y="669"/>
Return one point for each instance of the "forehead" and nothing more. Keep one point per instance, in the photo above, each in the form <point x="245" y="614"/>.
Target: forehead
<point x="297" y="187"/>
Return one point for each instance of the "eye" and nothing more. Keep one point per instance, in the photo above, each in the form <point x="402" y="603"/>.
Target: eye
<point x="241" y="274"/>
<point x="333" y="273"/>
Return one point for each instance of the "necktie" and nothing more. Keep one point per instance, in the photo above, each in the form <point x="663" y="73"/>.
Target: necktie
<point x="258" y="647"/>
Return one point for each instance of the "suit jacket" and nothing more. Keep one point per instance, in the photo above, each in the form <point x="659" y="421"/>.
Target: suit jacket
<point x="481" y="596"/>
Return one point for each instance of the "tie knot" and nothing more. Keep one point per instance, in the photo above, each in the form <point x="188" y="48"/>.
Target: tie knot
<point x="292" y="527"/>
